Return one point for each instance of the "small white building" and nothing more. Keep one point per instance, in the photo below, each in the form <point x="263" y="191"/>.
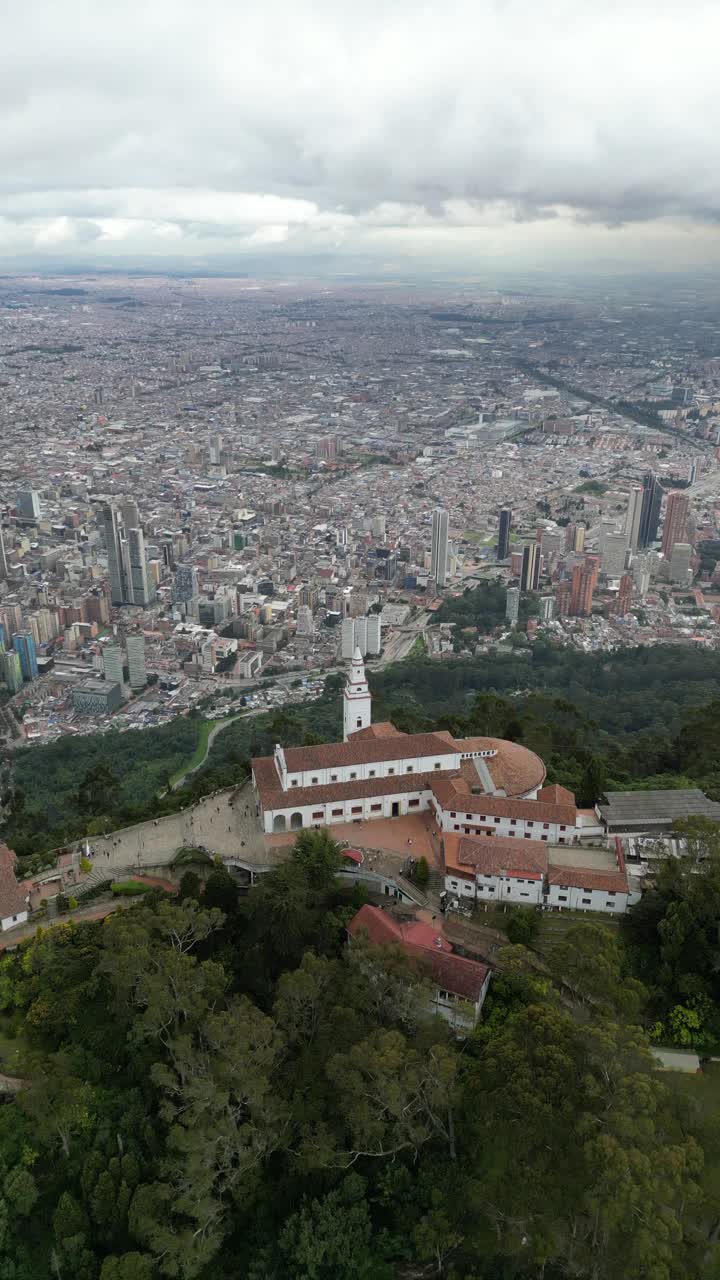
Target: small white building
<point x="13" y="898"/>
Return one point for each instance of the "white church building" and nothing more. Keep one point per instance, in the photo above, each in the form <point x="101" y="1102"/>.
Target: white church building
<point x="472" y="786"/>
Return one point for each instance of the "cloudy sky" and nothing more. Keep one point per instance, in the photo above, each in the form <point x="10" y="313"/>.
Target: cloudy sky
<point x="450" y="133"/>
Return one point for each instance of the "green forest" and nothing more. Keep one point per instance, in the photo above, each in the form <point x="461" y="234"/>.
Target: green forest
<point x="635" y="718"/>
<point x="218" y="1088"/>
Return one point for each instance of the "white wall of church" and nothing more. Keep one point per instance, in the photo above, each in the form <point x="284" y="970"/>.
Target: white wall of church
<point x="374" y="769"/>
<point x="335" y="811"/>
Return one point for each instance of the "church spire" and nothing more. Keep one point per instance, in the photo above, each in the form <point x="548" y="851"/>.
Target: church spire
<point x="357" y="713"/>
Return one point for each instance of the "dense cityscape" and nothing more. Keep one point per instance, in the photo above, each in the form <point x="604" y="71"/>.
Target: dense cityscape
<point x="214" y="490"/>
<point x="359" y="641"/>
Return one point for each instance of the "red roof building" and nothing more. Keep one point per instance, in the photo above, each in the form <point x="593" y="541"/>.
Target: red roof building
<point x="461" y="984"/>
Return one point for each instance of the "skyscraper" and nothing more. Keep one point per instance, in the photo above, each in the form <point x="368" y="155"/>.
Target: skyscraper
<point x="614" y="550"/>
<point x="3" y="558"/>
<point x="136" y="661"/>
<point x="113" y="664"/>
<point x="530" y="575"/>
<point x="650" y="515"/>
<point x="632" y="520"/>
<point x="584" y="581"/>
<point x="439" y="548"/>
<point x="512" y="604"/>
<point x="28" y="505"/>
<point x="127" y="566"/>
<point x="675" y="525"/>
<point x="11" y="670"/>
<point x="503" y="544"/>
<point x="621" y="605"/>
<point x="680" y="570"/>
<point x="185" y="584"/>
<point x="24" y="646"/>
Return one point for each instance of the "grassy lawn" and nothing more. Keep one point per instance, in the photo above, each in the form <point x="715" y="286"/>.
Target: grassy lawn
<point x="473" y="535"/>
<point x="198" y="755"/>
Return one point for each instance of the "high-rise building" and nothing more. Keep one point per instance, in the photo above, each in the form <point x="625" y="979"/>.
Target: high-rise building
<point x="305" y="625"/>
<point x="632" y="520"/>
<point x="113" y="664"/>
<point x="547" y="608"/>
<point x="650" y="515"/>
<point x="27" y="505"/>
<point x="584" y="580"/>
<point x="374" y="634"/>
<point x="680" y="570"/>
<point x="363" y="634"/>
<point x="512" y="604"/>
<point x="185" y="584"/>
<point x="621" y="605"/>
<point x="24" y="646"/>
<point x="563" y="599"/>
<point x="675" y="524"/>
<point x="11" y="670"/>
<point x="3" y="558"/>
<point x="614" y="553"/>
<point x="439" y="548"/>
<point x="127" y="563"/>
<point x="136" y="661"/>
<point x="503" y="543"/>
<point x="530" y="575"/>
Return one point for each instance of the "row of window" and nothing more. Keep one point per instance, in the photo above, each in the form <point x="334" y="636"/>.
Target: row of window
<point x="469" y="817"/>
<point x="372" y="773"/>
<point x="477" y="832"/>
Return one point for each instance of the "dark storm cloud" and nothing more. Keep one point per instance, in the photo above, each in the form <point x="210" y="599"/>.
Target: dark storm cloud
<point x="167" y="119"/>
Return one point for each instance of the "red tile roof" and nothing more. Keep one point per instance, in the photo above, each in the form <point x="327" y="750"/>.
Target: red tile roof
<point x="495" y="855"/>
<point x="514" y="769"/>
<point x="485" y="807"/>
<point x="383" y="729"/>
<point x="13" y="900"/>
<point x="581" y="878"/>
<point x="367" y="751"/>
<point x="272" y="795"/>
<point x="462" y="977"/>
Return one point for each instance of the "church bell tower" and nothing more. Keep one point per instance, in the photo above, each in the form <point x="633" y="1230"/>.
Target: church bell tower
<point x="356" y="698"/>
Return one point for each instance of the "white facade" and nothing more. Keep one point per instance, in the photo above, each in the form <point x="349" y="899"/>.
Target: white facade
<point x="534" y="892"/>
<point x="632" y="520"/>
<point x="11" y="922"/>
<point x="325" y="813"/>
<point x="113" y="664"/>
<point x="488" y="823"/>
<point x="401" y="766"/>
<point x="356" y="699"/>
<point x="439" y="547"/>
<point x="361" y="633"/>
<point x="586" y="899"/>
<point x="136" y="661"/>
<point x="524" y="890"/>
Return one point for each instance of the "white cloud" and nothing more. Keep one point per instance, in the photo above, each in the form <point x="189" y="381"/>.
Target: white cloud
<point x="164" y="125"/>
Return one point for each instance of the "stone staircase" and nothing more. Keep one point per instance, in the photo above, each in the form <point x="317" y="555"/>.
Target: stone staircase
<point x="97" y="877"/>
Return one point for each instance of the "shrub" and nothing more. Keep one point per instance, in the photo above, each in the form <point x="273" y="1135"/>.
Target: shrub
<point x="422" y="872"/>
<point x="522" y="926"/>
<point x="72" y="903"/>
<point x="85" y="865"/>
<point x="129" y="888"/>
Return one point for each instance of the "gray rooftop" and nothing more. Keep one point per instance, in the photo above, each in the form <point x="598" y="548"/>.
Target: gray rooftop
<point x="655" y="807"/>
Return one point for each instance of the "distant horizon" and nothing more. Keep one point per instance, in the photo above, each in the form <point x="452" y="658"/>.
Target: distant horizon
<point x="466" y="138"/>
